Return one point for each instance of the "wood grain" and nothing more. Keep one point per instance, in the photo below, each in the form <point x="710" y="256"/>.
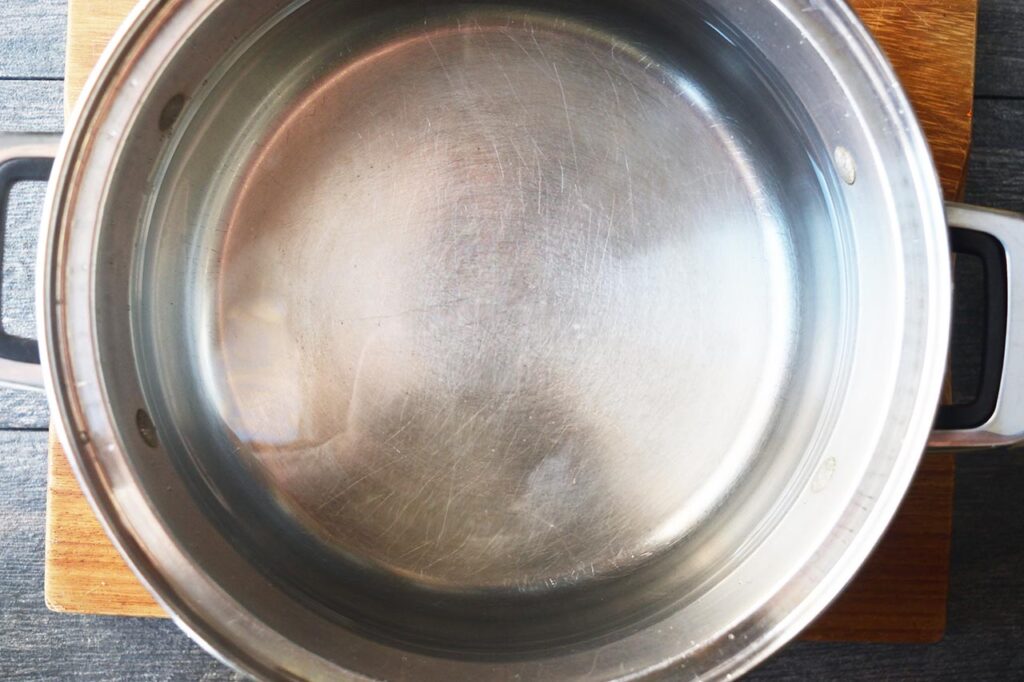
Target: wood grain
<point x="1000" y="49"/>
<point x="84" y="573"/>
<point x="27" y="46"/>
<point x="931" y="45"/>
<point x="900" y="593"/>
<point x="997" y="166"/>
<point x="91" y="25"/>
<point x="30" y="106"/>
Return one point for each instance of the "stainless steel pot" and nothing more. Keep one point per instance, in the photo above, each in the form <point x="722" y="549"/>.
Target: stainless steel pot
<point x="526" y="341"/>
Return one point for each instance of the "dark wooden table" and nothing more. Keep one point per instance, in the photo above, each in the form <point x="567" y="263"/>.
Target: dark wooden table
<point x="985" y="635"/>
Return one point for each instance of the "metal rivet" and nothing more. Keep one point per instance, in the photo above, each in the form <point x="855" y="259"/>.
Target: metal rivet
<point x="171" y="111"/>
<point x="823" y="476"/>
<point x="846" y="166"/>
<point x="146" y="428"/>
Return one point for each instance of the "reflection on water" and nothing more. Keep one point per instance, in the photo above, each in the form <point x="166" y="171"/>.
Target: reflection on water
<point x="470" y="327"/>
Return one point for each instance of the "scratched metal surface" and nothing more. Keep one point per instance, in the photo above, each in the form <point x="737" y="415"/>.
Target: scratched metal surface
<point x="452" y="346"/>
<point x="987" y="584"/>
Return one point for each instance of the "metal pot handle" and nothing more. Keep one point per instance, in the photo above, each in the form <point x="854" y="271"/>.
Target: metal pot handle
<point x="30" y="157"/>
<point x="996" y="417"/>
<point x="22" y="157"/>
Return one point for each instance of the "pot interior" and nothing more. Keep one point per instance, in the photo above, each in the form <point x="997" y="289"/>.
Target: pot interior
<point x="483" y="327"/>
<point x="500" y="333"/>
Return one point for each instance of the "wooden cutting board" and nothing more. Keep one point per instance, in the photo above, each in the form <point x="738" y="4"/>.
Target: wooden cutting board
<point x="900" y="594"/>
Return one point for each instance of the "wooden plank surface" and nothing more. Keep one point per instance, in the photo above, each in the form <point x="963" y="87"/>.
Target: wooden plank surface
<point x="91" y="24"/>
<point x="931" y="45"/>
<point x="84" y="573"/>
<point x="31" y="106"/>
<point x="27" y="47"/>
<point x="900" y="594"/>
<point x="1001" y="49"/>
<point x="997" y="166"/>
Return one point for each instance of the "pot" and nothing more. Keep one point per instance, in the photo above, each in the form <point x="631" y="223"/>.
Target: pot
<point x="527" y="341"/>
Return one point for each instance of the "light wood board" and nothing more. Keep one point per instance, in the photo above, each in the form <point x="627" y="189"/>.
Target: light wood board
<point x="84" y="572"/>
<point x="900" y="595"/>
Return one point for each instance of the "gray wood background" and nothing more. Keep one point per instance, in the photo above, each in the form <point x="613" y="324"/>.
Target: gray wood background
<point x="985" y="638"/>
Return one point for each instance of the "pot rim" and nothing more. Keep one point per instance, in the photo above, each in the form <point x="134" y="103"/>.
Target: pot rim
<point x="88" y="432"/>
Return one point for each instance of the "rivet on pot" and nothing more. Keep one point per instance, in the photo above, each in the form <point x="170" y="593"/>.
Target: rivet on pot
<point x="845" y="165"/>
<point x="146" y="428"/>
<point x="171" y="111"/>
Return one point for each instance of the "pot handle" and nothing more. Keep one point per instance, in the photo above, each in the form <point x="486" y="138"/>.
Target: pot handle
<point x="996" y="417"/>
<point x="22" y="157"/>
